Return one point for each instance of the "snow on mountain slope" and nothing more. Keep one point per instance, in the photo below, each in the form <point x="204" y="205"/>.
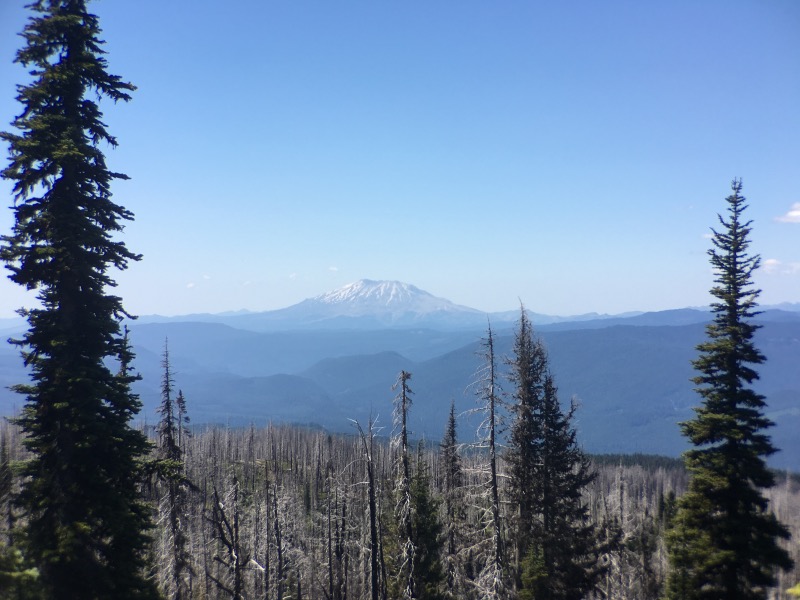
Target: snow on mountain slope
<point x="367" y="297"/>
<point x="366" y="304"/>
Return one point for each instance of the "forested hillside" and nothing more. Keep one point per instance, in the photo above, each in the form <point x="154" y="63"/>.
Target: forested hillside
<point x="632" y="381"/>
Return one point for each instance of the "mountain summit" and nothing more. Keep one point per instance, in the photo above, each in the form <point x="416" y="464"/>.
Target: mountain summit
<point x="387" y="298"/>
<point x="366" y="304"/>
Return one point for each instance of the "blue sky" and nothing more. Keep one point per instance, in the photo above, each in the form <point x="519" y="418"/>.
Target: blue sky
<point x="569" y="154"/>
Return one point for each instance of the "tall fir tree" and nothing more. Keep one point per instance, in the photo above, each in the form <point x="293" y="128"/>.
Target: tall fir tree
<point x="427" y="533"/>
<point x="724" y="540"/>
<point x="557" y="547"/>
<point x="17" y="580"/>
<point x="168" y="448"/>
<point x="406" y="567"/>
<point x="173" y="505"/>
<point x="454" y="507"/>
<point x="86" y="526"/>
<point x="526" y="444"/>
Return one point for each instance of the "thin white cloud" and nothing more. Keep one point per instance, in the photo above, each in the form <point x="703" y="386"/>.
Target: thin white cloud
<point x="333" y="269"/>
<point x="190" y="285"/>
<point x="777" y="267"/>
<point x="771" y="265"/>
<point x="293" y="276"/>
<point x="793" y="216"/>
<point x="708" y="236"/>
<point x="206" y="277"/>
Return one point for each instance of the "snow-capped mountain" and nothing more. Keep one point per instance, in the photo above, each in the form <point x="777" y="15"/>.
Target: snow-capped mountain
<point x="364" y="304"/>
<point x="369" y="304"/>
<point x="394" y="298"/>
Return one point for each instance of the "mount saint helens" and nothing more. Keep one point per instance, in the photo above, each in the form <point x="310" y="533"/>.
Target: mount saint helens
<point x="334" y="357"/>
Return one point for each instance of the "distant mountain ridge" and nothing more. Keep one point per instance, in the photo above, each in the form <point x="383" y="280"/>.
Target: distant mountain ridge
<point x="369" y="304"/>
<point x="334" y="357"/>
<point x="387" y="302"/>
<point x="367" y="297"/>
<point x="364" y="304"/>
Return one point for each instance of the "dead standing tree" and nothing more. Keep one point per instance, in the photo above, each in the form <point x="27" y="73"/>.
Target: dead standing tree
<point x="491" y="580"/>
<point x="403" y="506"/>
<point x="368" y="446"/>
<point x="232" y="556"/>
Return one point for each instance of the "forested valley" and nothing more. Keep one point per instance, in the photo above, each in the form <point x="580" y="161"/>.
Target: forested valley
<point x="285" y="511"/>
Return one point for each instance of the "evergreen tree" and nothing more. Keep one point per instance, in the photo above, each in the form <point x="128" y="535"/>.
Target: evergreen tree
<point x="548" y="473"/>
<point x="6" y="487"/>
<point x="168" y="448"/>
<point x="724" y="539"/>
<point x="406" y="571"/>
<point x="526" y="443"/>
<point x="182" y="423"/>
<point x="16" y="580"/>
<point x="173" y="505"/>
<point x="454" y="510"/>
<point x="427" y="533"/>
<point x="86" y="526"/>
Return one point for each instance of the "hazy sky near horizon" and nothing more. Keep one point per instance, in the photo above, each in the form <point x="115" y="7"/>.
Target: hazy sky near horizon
<point x="569" y="154"/>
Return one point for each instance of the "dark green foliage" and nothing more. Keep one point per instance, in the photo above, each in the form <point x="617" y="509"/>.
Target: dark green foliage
<point x="86" y="527"/>
<point x="526" y="442"/>
<point x="427" y="534"/>
<point x="182" y="420"/>
<point x="168" y="426"/>
<point x="454" y="507"/>
<point x="6" y="487"/>
<point x="649" y="462"/>
<point x="533" y="573"/>
<point x="640" y="548"/>
<point x="453" y="477"/>
<point x="414" y="553"/>
<point x="17" y="580"/>
<point x="406" y="561"/>
<point x="724" y="540"/>
<point x="173" y="489"/>
<point x="556" y="545"/>
<point x="414" y="540"/>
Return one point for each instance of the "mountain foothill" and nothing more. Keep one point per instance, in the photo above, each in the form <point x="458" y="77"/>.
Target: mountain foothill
<point x="334" y="357"/>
